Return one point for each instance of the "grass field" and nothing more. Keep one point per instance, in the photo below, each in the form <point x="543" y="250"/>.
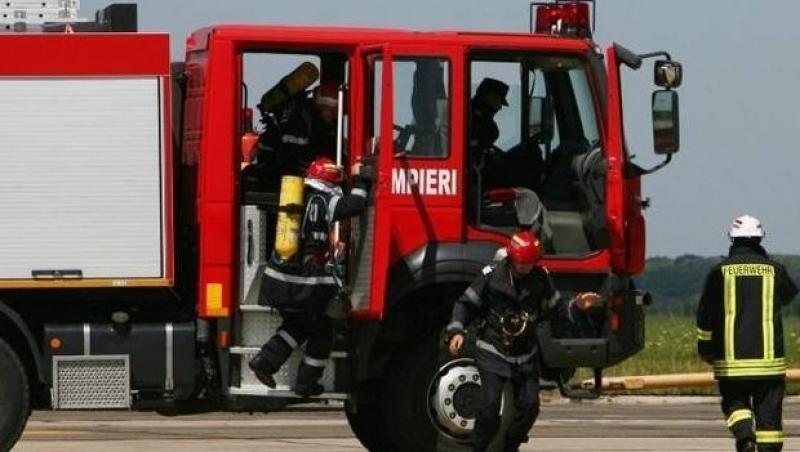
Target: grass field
<point x="670" y="347"/>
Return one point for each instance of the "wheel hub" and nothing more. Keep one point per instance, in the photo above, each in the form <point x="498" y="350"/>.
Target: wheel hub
<point x="454" y="397"/>
<point x="466" y="399"/>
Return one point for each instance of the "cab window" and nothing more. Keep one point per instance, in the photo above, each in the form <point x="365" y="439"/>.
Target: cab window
<point x="421" y="106"/>
<point x="533" y="132"/>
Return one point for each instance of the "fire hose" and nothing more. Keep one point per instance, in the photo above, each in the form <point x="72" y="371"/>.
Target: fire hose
<point x="664" y="381"/>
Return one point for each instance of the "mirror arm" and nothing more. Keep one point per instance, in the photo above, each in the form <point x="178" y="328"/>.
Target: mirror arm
<point x="658" y="53"/>
<point x="635" y="170"/>
<point x="631" y="59"/>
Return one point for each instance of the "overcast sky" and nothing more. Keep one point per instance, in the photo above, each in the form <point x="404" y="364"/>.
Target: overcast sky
<point x="739" y="102"/>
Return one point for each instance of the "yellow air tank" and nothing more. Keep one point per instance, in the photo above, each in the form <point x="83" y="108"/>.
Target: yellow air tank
<point x="296" y="81"/>
<point x="290" y="213"/>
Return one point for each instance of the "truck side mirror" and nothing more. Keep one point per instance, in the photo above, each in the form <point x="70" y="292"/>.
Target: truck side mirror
<point x="540" y="120"/>
<point x="668" y="74"/>
<point x="666" y="136"/>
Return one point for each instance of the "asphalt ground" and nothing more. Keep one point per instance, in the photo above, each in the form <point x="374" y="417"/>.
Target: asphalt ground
<point x="610" y="424"/>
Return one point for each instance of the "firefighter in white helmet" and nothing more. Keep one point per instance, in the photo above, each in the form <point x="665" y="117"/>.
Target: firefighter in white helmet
<point x="740" y="333"/>
<point x="508" y="299"/>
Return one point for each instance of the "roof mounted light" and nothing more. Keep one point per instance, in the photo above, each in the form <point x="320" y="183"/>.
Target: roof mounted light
<point x="563" y="18"/>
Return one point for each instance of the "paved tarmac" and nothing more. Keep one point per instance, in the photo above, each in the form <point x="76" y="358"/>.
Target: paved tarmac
<point x="619" y="424"/>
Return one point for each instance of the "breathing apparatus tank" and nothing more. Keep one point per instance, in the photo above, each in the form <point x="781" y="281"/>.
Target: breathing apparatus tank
<point x="295" y="82"/>
<point x="290" y="213"/>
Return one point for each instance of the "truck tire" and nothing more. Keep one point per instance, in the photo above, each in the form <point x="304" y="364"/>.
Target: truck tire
<point x="410" y="399"/>
<point x="15" y="403"/>
<point x="367" y="421"/>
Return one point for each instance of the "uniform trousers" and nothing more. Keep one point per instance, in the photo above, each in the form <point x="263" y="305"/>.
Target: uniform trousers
<point x="524" y="379"/>
<point x="753" y="409"/>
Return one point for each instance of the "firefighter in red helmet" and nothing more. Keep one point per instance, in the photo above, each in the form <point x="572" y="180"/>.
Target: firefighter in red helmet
<point x="509" y="298"/>
<point x="301" y="287"/>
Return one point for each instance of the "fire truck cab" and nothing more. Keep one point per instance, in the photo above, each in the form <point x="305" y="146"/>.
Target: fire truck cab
<point x="142" y="291"/>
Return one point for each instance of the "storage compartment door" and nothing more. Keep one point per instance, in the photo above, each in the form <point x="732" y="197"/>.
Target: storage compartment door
<point x="81" y="179"/>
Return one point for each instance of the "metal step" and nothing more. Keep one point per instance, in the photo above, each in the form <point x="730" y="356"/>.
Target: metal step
<point x="263" y="391"/>
<point x="256" y="308"/>
<point x="253" y="350"/>
<point x="287" y="375"/>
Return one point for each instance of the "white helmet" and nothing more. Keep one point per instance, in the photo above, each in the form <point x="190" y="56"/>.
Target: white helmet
<point x="746" y="226"/>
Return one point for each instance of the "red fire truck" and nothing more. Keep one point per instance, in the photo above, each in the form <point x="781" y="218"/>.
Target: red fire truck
<point x="132" y="249"/>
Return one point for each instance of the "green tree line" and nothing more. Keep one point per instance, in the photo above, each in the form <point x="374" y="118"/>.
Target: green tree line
<point x="676" y="283"/>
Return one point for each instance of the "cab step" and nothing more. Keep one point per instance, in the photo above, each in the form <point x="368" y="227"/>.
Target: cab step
<point x="286" y="376"/>
<point x="263" y="391"/>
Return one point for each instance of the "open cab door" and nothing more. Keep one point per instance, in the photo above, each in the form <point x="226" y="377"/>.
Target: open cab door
<point x="369" y="262"/>
<point x="629" y="231"/>
<point x="614" y="145"/>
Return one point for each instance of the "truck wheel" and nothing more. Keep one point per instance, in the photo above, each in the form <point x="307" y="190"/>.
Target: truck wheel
<point x="15" y="403"/>
<point x="433" y="402"/>
<point x="367" y="421"/>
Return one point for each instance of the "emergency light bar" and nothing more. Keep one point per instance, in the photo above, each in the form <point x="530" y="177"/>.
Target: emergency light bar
<point x="563" y="18"/>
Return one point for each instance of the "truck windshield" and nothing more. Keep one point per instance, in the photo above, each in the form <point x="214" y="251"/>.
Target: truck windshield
<point x="585" y="105"/>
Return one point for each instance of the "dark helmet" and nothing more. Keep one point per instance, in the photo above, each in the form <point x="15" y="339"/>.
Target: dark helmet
<point x="493" y="86"/>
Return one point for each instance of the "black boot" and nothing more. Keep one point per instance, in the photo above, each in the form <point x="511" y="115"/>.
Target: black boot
<point x="307" y="380"/>
<point x="262" y="369"/>
<point x="263" y="365"/>
<point x="270" y="359"/>
<point x="746" y="445"/>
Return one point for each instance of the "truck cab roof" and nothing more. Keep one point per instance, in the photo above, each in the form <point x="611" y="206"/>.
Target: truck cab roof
<point x="353" y="36"/>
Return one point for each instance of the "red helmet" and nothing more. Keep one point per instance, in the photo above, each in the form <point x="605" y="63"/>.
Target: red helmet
<point x="326" y="170"/>
<point x="524" y="248"/>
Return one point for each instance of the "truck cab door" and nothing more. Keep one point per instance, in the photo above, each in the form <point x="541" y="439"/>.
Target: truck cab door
<point x="371" y="235"/>
<point x="623" y="186"/>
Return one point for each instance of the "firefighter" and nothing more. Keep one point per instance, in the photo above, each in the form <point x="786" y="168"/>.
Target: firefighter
<point x="485" y="163"/>
<point x="489" y="98"/>
<point x="740" y="333"/>
<point x="302" y="287"/>
<point x="509" y="299"/>
<point x="295" y="132"/>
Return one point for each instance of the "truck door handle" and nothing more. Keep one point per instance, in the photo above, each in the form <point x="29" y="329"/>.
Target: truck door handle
<point x="57" y="274"/>
<point x="250" y="244"/>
